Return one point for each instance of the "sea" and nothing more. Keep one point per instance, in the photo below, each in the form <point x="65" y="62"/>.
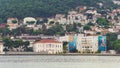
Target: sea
<point x="58" y="61"/>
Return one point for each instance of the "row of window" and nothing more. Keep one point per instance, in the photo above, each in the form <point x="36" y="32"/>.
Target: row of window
<point x="48" y="50"/>
<point x="50" y="46"/>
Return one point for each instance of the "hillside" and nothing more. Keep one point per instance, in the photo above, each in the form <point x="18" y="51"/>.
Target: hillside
<point x="42" y="8"/>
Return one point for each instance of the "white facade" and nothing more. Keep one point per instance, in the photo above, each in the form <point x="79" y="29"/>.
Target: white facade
<point x="118" y="36"/>
<point x="12" y="25"/>
<point x="48" y="46"/>
<point x="77" y="18"/>
<point x="87" y="44"/>
<point x="63" y="38"/>
<point x="29" y="19"/>
<point x="1" y="48"/>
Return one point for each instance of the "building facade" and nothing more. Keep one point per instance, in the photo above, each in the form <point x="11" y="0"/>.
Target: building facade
<point x="48" y="46"/>
<point x="12" y="23"/>
<point x="1" y="48"/>
<point x="87" y="44"/>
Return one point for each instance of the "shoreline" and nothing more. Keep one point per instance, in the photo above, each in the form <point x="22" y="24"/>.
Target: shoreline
<point x="65" y="54"/>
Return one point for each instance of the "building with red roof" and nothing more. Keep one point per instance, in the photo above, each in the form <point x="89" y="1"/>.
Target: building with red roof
<point x="48" y="46"/>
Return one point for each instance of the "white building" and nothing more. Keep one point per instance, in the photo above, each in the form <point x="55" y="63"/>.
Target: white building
<point x="29" y="21"/>
<point x="1" y="48"/>
<point x="87" y="44"/>
<point x="118" y="37"/>
<point x="76" y="18"/>
<point x="12" y="23"/>
<point x="49" y="46"/>
<point x="63" y="38"/>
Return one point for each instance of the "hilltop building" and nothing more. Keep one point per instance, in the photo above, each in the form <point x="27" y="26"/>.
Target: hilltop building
<point x="12" y="23"/>
<point x="29" y="22"/>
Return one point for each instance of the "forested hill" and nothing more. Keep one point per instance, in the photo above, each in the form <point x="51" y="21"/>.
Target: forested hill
<point x="41" y="8"/>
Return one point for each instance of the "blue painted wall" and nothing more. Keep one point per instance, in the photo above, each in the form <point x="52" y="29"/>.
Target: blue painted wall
<point x="72" y="45"/>
<point x="102" y="43"/>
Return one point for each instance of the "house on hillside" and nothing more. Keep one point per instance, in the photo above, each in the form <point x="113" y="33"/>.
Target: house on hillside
<point x="29" y="22"/>
<point x="12" y="23"/>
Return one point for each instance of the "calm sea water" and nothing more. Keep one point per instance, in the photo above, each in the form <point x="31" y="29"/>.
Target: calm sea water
<point x="46" y="61"/>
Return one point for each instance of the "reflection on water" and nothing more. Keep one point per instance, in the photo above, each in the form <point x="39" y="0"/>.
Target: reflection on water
<point x="45" y="61"/>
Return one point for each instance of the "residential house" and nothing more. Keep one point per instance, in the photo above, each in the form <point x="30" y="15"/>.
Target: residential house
<point x="117" y="27"/>
<point x="12" y="23"/>
<point x="29" y="22"/>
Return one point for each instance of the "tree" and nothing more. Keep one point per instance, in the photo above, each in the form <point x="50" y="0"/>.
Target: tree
<point x="79" y="24"/>
<point x="111" y="37"/>
<point x="8" y="43"/>
<point x="26" y="44"/>
<point x="14" y="21"/>
<point x="36" y="32"/>
<point x="18" y="43"/>
<point x="65" y="45"/>
<point x="72" y="27"/>
<point x="103" y="22"/>
<point x="5" y="31"/>
<point x="90" y="24"/>
<point x="51" y="22"/>
<point x="58" y="29"/>
<point x="43" y="8"/>
<point x="30" y="22"/>
<point x="40" y="22"/>
<point x="116" y="45"/>
<point x="86" y="27"/>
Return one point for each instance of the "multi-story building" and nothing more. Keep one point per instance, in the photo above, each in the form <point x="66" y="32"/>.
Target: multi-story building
<point x="75" y="17"/>
<point x="87" y="44"/>
<point x="48" y="46"/>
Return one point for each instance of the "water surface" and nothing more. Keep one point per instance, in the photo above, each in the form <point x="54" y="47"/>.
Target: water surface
<point x="46" y="61"/>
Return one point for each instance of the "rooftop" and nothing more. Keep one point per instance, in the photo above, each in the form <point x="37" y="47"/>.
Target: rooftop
<point x="47" y="41"/>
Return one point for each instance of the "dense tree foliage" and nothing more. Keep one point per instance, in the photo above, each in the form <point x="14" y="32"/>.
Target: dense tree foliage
<point x="111" y="37"/>
<point x="58" y="29"/>
<point x="42" y="8"/>
<point x="10" y="44"/>
<point x="116" y="45"/>
<point x="103" y="22"/>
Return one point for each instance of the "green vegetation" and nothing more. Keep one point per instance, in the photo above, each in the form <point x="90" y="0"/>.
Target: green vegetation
<point x="86" y="27"/>
<point x="57" y="29"/>
<point x="91" y="24"/>
<point x="14" y="21"/>
<point x="10" y="44"/>
<point x="103" y="22"/>
<point x="111" y="37"/>
<point x="51" y="22"/>
<point x="43" y="8"/>
<point x="30" y="22"/>
<point x="116" y="45"/>
<point x="73" y="27"/>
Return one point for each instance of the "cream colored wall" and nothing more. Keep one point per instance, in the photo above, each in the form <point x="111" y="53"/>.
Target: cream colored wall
<point x="1" y="48"/>
<point x="91" y="41"/>
<point x="55" y="47"/>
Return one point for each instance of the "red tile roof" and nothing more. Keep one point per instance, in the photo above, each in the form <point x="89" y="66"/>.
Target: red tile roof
<point x="47" y="41"/>
<point x="2" y="25"/>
